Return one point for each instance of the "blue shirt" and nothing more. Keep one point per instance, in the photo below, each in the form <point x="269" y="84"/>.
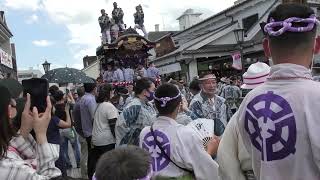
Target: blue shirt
<point x="88" y="106"/>
<point x="202" y="107"/>
<point x="118" y="76"/>
<point x="134" y="117"/>
<point x="128" y="74"/>
<point x="153" y="72"/>
<point x="53" y="134"/>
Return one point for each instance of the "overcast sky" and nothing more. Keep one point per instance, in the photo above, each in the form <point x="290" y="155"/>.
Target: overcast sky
<point x="63" y="31"/>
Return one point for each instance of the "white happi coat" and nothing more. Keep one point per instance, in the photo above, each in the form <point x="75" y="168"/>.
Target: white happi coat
<point x="184" y="148"/>
<point x="233" y="158"/>
<point x="280" y="125"/>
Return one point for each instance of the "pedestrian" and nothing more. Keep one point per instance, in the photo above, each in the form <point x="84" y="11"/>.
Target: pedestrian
<point x="124" y="163"/>
<point x="137" y="114"/>
<point x="88" y="106"/>
<point x="106" y="115"/>
<point x="231" y="93"/>
<point x="208" y="105"/>
<point x="54" y="137"/>
<point x="176" y="150"/>
<point x="78" y="126"/>
<point x="108" y="74"/>
<point x="117" y="74"/>
<point x="233" y="158"/>
<point x="153" y="72"/>
<point x="279" y="121"/>
<point x="21" y="156"/>
<point x="67" y="134"/>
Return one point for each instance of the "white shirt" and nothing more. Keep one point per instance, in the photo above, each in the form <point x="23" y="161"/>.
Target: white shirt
<point x="279" y="122"/>
<point x="101" y="133"/>
<point x="183" y="146"/>
<point x="233" y="158"/>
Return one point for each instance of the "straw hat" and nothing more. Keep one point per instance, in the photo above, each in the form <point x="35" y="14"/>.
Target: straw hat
<point x="256" y="75"/>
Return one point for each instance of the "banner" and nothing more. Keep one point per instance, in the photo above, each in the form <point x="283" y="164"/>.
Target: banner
<point x="5" y="59"/>
<point x="237" y="64"/>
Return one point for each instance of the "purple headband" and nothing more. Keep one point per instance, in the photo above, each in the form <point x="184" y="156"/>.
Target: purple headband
<point x="287" y="25"/>
<point x="165" y="100"/>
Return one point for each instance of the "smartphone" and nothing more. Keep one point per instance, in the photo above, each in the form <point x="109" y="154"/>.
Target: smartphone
<point x="38" y="89"/>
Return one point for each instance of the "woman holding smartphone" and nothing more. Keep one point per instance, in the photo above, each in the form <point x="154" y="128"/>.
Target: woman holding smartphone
<point x="21" y="156"/>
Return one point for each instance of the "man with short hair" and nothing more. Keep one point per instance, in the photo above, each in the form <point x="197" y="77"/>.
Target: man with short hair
<point x="208" y="105"/>
<point x="279" y="121"/>
<point x="117" y="16"/>
<point x="231" y="93"/>
<point x="78" y="126"/>
<point x="105" y="24"/>
<point x="88" y="106"/>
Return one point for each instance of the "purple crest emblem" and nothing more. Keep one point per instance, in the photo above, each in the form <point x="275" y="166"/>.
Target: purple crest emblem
<point x="270" y="123"/>
<point x="159" y="161"/>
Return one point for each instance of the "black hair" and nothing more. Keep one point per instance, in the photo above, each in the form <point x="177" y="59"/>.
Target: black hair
<point x="195" y="85"/>
<point x="80" y="91"/>
<point x="142" y="84"/>
<point x="203" y="74"/>
<point x="289" y="41"/>
<point x="104" y="93"/>
<point x="53" y="89"/>
<point x="89" y="87"/>
<point x="6" y="131"/>
<point x="123" y="163"/>
<point x="167" y="90"/>
<point x="58" y="95"/>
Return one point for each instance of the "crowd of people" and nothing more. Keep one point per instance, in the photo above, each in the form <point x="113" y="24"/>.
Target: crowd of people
<point x="146" y="131"/>
<point x="117" y="74"/>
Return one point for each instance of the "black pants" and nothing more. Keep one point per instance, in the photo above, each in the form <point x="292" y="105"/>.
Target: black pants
<point x="95" y="153"/>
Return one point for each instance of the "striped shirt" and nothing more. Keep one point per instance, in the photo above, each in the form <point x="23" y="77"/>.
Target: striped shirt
<point x="26" y="160"/>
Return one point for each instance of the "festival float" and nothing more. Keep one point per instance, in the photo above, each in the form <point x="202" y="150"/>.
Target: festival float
<point x="129" y="49"/>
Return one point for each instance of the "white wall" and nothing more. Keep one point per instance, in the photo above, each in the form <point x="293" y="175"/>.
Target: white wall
<point x="92" y="70"/>
<point x="193" y="69"/>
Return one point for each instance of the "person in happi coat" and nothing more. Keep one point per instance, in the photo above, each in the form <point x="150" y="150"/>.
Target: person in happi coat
<point x="117" y="74"/>
<point x="279" y="121"/>
<point x="139" y="20"/>
<point x="175" y="149"/>
<point x="233" y="158"/>
<point x="128" y="73"/>
<point x="105" y="24"/>
<point x="137" y="114"/>
<point x="108" y="74"/>
<point x="231" y="93"/>
<point x="208" y="105"/>
<point x="153" y="72"/>
<point x="221" y="85"/>
<point x="117" y="16"/>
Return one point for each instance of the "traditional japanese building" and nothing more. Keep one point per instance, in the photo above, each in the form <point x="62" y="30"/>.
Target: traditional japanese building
<point x="8" y="66"/>
<point x="209" y="44"/>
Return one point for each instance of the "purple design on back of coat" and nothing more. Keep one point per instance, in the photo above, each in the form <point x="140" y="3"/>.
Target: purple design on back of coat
<point x="270" y="123"/>
<point x="159" y="161"/>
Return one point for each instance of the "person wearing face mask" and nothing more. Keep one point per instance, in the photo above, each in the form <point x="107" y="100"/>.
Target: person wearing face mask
<point x="175" y="149"/>
<point x="208" y="105"/>
<point x="137" y="114"/>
